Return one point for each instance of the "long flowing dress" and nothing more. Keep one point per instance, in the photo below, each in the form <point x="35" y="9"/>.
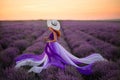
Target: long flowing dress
<point x="55" y="54"/>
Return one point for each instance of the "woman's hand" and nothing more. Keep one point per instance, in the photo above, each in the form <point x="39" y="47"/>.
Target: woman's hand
<point x="46" y="39"/>
<point x="49" y="41"/>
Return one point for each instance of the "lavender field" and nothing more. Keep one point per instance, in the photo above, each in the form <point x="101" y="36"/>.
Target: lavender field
<point x="80" y="38"/>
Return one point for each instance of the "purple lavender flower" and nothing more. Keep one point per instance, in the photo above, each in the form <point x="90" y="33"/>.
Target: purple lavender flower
<point x="20" y="44"/>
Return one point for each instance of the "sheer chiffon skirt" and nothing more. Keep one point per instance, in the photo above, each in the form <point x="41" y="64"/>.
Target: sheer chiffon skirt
<point x="55" y="54"/>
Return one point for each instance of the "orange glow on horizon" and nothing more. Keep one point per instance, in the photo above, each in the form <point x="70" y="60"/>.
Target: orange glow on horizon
<point x="59" y="9"/>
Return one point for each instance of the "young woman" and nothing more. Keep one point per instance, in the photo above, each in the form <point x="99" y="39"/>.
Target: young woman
<point x="55" y="54"/>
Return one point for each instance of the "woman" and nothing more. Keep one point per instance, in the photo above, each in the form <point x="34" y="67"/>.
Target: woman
<point x="55" y="54"/>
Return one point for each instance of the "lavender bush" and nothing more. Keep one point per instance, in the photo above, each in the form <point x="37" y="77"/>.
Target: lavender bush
<point x="7" y="56"/>
<point x="35" y="48"/>
<point x="106" y="71"/>
<point x="55" y="73"/>
<point x="20" y="44"/>
<point x="4" y="42"/>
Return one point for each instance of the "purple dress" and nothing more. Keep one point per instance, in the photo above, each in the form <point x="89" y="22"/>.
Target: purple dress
<point x="55" y="54"/>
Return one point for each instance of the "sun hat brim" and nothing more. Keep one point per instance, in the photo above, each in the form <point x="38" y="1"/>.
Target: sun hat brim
<point x="56" y="27"/>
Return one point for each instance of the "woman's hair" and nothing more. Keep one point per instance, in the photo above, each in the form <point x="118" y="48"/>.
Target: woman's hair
<point x="57" y="32"/>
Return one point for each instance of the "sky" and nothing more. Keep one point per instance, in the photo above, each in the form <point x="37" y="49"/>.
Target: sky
<point x="59" y="9"/>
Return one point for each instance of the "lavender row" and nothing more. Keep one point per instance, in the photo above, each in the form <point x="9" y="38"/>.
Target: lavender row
<point x="107" y="31"/>
<point x="80" y="48"/>
<point x="81" y="39"/>
<point x="110" y="34"/>
<point x="13" y="31"/>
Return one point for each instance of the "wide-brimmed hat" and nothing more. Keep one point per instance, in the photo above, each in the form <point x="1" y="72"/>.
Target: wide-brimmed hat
<point x="53" y="24"/>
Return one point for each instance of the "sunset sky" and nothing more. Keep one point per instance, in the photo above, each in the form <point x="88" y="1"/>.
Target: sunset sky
<point x="59" y="9"/>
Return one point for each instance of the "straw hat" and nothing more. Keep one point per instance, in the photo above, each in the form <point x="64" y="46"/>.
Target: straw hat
<point x="53" y="24"/>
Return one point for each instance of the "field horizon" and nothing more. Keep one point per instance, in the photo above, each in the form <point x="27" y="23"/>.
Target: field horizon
<point x="67" y="20"/>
